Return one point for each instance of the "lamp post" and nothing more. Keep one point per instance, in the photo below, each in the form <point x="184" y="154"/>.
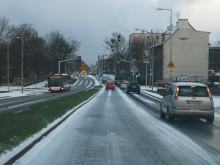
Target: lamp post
<point x="22" y="63"/>
<point x="22" y="56"/>
<point x="170" y="64"/>
<point x="8" y="64"/>
<point x="171" y="15"/>
<point x="144" y="31"/>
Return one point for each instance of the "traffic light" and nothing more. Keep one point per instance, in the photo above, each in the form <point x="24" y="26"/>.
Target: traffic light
<point x="78" y="59"/>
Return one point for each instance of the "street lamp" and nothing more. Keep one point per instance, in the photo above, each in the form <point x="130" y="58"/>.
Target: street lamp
<point x="8" y="44"/>
<point x="22" y="62"/>
<point x="147" y="62"/>
<point x="171" y="15"/>
<point x="170" y="64"/>
<point x="22" y="56"/>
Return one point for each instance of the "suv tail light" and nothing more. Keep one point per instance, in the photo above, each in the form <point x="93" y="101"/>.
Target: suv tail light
<point x="177" y="92"/>
<point x="210" y="96"/>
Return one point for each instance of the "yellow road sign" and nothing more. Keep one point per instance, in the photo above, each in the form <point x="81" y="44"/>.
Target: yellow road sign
<point x="83" y="67"/>
<point x="83" y="73"/>
<point x="170" y="65"/>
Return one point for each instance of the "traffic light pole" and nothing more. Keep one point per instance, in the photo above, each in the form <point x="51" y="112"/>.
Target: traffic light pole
<point x="131" y="62"/>
<point x="64" y="61"/>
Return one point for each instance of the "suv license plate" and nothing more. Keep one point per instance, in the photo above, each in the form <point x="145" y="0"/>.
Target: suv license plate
<point x="193" y="102"/>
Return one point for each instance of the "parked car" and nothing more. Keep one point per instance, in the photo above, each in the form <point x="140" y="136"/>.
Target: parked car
<point x="187" y="99"/>
<point x="161" y="86"/>
<point x="110" y="85"/>
<point x="160" y="83"/>
<point x="133" y="87"/>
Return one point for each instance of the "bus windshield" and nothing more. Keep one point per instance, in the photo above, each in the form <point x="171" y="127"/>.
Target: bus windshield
<point x="54" y="82"/>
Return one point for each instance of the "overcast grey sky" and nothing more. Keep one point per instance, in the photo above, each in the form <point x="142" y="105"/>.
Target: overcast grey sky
<point x="90" y="21"/>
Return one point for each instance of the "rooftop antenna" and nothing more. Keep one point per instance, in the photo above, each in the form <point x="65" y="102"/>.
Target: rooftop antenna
<point x="178" y="15"/>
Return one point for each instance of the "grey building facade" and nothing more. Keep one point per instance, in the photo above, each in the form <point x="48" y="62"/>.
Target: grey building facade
<point x="214" y="59"/>
<point x="190" y="54"/>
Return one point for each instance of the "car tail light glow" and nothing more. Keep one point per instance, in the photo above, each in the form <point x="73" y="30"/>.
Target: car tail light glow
<point x="176" y="98"/>
<point x="210" y="96"/>
<point x="177" y="92"/>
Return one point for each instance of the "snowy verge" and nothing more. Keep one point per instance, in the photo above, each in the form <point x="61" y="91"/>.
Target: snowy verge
<point x="15" y="91"/>
<point x="97" y="83"/>
<point x="77" y="79"/>
<point x="4" y="157"/>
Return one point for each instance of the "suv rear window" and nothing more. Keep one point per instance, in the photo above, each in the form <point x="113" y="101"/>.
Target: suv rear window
<point x="134" y="84"/>
<point x="110" y="82"/>
<point x="191" y="91"/>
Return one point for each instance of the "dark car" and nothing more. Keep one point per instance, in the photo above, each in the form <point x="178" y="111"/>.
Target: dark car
<point x="133" y="87"/>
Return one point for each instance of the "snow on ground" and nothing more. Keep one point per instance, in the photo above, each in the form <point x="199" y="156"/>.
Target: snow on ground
<point x="97" y="83"/>
<point x="149" y="88"/>
<point x="153" y="94"/>
<point x="38" y="85"/>
<point x="216" y="101"/>
<point x="15" y="91"/>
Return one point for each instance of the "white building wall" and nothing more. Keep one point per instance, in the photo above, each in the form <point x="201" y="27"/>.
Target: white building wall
<point x="190" y="51"/>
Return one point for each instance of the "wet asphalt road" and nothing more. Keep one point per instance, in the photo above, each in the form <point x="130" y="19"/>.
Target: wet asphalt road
<point x="115" y="129"/>
<point x="17" y="103"/>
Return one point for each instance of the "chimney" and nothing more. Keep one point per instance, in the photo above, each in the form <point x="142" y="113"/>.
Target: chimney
<point x="183" y="24"/>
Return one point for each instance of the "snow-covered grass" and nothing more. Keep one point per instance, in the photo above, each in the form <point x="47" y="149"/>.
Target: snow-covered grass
<point x="15" y="91"/>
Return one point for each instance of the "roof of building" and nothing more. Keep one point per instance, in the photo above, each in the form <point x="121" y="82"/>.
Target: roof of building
<point x="177" y="31"/>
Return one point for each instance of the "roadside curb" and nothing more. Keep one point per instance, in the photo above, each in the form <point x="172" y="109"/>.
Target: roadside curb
<point x="143" y="102"/>
<point x="63" y="118"/>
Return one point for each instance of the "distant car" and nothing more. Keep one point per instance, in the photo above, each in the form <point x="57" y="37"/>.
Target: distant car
<point x="117" y="83"/>
<point x="110" y="85"/>
<point x="123" y="85"/>
<point x="187" y="99"/>
<point x="161" y="86"/>
<point x="133" y="87"/>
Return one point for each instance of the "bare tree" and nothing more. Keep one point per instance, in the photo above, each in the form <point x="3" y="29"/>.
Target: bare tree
<point x="117" y="45"/>
<point x="4" y="28"/>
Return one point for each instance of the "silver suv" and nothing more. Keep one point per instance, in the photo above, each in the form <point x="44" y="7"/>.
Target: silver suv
<point x="187" y="99"/>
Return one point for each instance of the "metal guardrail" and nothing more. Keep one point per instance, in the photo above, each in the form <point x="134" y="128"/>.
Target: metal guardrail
<point x="157" y="99"/>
